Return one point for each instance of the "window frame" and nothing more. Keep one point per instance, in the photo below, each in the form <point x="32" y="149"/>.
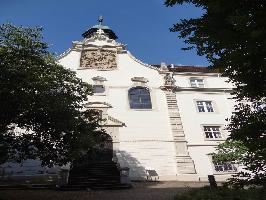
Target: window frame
<point x="99" y="81"/>
<point x="223" y="137"/>
<point x="140" y="109"/>
<point x="214" y="107"/>
<point x="99" y="93"/>
<point x="197" y="78"/>
<point x="233" y="166"/>
<point x="215" y="172"/>
<point x="205" y="106"/>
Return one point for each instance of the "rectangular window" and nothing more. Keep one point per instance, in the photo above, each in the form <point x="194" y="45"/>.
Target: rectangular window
<point x="196" y="82"/>
<point x="225" y="167"/>
<point x="205" y="106"/>
<point x="212" y="132"/>
<point x="99" y="89"/>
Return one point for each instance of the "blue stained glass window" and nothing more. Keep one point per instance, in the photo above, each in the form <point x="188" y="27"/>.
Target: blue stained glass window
<point x="139" y="98"/>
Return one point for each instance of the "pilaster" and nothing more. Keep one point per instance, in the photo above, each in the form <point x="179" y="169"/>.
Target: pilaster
<point x="184" y="163"/>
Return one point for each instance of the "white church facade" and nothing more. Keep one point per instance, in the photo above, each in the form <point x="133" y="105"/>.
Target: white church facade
<point x="164" y="121"/>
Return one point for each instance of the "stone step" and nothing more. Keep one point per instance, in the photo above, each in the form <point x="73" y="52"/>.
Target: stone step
<point x="113" y="187"/>
<point x="102" y="175"/>
<point x="96" y="182"/>
<point x="96" y="178"/>
<point x="104" y="187"/>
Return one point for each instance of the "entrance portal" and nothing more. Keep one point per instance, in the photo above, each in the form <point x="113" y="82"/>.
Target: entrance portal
<point x="103" y="152"/>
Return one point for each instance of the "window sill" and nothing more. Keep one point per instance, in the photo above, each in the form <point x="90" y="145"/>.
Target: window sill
<point x="132" y="109"/>
<point x="224" y="173"/>
<point x="207" y="112"/>
<point x="96" y="94"/>
<point x="196" y="87"/>
<point x="215" y="140"/>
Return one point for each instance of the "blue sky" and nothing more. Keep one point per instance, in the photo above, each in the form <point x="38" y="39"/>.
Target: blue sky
<point x="143" y="25"/>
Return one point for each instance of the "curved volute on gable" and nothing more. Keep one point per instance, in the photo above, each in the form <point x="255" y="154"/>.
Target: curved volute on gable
<point x="97" y="50"/>
<point x="99" y="38"/>
<point x="99" y="54"/>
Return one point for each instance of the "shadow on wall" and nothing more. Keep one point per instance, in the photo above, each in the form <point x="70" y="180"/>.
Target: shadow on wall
<point x="30" y="171"/>
<point x="137" y="171"/>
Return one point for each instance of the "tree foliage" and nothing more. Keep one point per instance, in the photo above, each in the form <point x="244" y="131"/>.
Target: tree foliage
<point x="41" y="103"/>
<point x="231" y="34"/>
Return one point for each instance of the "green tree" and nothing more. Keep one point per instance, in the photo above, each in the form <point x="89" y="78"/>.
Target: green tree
<point x="41" y="103"/>
<point x="231" y="34"/>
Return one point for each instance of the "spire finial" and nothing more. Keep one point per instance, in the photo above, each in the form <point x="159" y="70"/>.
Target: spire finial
<point x="100" y="20"/>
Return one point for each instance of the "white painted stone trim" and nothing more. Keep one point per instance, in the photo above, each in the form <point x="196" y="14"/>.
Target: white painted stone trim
<point x="140" y="62"/>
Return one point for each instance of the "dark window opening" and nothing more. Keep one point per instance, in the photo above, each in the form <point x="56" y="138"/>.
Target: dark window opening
<point x="139" y="98"/>
<point x="98" y="89"/>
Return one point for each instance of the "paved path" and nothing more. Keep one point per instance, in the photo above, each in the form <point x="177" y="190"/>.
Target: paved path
<point x="140" y="191"/>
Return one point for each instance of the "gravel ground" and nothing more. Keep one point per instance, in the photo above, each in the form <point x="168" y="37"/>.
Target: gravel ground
<point x="140" y="191"/>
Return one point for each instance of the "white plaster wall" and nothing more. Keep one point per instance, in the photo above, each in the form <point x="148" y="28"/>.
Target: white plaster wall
<point x="147" y="138"/>
<point x="71" y="60"/>
<point x="192" y="119"/>
<point x="141" y="124"/>
<point x="210" y="81"/>
<point x="146" y="142"/>
<point x="202" y="161"/>
<point x="127" y="69"/>
<point x="140" y="156"/>
<point x="218" y="82"/>
<point x="203" y="164"/>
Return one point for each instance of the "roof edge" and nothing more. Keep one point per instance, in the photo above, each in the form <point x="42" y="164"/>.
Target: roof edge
<point x="188" y="68"/>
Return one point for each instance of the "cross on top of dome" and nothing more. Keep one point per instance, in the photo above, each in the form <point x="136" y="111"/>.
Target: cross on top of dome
<point x="100" y="20"/>
<point x="99" y="27"/>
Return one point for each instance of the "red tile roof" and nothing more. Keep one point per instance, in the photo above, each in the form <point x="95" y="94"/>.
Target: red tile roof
<point x="185" y="68"/>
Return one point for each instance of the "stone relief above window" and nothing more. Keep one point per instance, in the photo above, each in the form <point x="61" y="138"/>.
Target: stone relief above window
<point x="139" y="79"/>
<point x="101" y="59"/>
<point x="98" y="79"/>
<point x="169" y="80"/>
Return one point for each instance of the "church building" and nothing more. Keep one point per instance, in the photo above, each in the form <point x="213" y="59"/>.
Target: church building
<point x="164" y="120"/>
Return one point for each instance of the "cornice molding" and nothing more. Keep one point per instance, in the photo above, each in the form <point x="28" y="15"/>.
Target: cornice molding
<point x="197" y="74"/>
<point x="140" y="62"/>
<point x="65" y="53"/>
<point x="98" y="104"/>
<point x="140" y="79"/>
<point x="227" y="90"/>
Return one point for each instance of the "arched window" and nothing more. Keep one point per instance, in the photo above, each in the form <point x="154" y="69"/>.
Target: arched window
<point x="139" y="98"/>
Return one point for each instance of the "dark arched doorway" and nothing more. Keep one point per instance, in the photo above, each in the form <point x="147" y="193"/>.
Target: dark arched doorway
<point x="102" y="152"/>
